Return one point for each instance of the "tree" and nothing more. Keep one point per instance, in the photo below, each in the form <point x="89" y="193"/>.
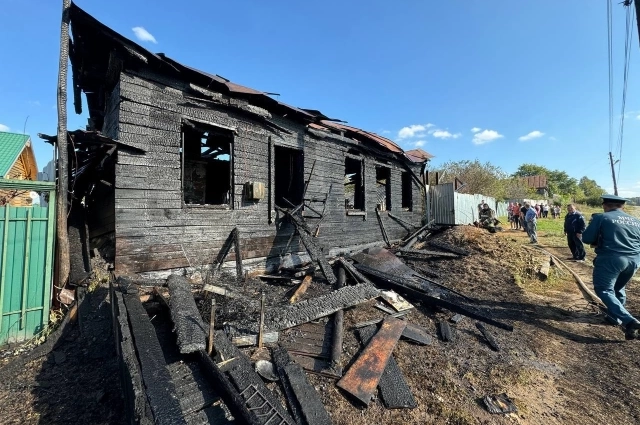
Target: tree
<point x="486" y="179"/>
<point x="558" y="182"/>
<point x="517" y="188"/>
<point x="590" y="187"/>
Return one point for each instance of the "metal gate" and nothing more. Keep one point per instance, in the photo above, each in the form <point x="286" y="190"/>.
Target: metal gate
<point x="27" y="237"/>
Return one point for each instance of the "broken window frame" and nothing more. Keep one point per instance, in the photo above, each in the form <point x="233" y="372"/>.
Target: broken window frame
<point x="205" y="127"/>
<point x="388" y="203"/>
<point x="359" y="207"/>
<point x="406" y="182"/>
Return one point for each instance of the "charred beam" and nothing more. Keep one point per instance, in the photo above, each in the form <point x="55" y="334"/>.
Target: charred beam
<point x="190" y="329"/>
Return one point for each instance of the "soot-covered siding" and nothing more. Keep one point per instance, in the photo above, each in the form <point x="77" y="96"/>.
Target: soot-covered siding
<point x="154" y="231"/>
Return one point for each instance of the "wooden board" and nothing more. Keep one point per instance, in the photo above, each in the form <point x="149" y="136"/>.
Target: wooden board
<point x="363" y="376"/>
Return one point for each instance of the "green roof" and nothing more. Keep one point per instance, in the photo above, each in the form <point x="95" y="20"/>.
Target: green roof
<point x="11" y="145"/>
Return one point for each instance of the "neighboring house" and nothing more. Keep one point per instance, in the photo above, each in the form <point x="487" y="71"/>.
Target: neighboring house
<point x="17" y="162"/>
<point x="198" y="155"/>
<point x="539" y="183"/>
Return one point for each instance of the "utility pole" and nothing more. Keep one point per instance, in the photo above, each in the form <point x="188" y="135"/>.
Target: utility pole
<point x="613" y="174"/>
<point x="63" y="153"/>
<point x="636" y="3"/>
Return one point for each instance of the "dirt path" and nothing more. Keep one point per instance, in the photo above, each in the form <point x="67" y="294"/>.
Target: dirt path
<point x="601" y="371"/>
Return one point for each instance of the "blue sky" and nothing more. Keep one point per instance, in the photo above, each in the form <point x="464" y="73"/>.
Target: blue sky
<point x="500" y="81"/>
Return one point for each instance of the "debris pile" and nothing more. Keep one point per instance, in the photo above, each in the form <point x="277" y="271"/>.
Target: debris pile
<point x="273" y="329"/>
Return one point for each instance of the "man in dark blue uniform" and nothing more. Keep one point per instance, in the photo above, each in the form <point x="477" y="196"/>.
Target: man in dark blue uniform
<point x="574" y="226"/>
<point x="617" y="239"/>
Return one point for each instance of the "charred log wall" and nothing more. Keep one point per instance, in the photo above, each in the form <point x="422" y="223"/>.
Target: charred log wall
<point x="153" y="229"/>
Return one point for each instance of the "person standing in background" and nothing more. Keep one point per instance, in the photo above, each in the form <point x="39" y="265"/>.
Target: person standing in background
<point x="574" y="226"/>
<point x="531" y="219"/>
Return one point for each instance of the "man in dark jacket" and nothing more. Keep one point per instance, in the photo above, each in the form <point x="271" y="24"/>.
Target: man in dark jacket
<point x="574" y="226"/>
<point x="617" y="238"/>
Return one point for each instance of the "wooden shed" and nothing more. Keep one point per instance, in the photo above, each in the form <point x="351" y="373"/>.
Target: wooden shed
<point x="208" y="156"/>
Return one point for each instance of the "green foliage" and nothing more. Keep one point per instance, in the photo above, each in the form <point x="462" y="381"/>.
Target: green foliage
<point x="485" y="179"/>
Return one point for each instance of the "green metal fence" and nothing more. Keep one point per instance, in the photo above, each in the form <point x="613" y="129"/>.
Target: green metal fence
<point x="27" y="236"/>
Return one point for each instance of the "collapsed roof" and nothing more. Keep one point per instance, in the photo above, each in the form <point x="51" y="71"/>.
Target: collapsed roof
<point x="98" y="54"/>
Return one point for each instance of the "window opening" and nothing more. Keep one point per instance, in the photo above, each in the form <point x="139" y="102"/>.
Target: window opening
<point x="208" y="165"/>
<point x="353" y="184"/>
<point x="289" y="176"/>
<point x="383" y="188"/>
<point x="407" y="191"/>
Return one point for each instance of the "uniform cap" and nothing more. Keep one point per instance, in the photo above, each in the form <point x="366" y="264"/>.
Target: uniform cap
<point x="613" y="199"/>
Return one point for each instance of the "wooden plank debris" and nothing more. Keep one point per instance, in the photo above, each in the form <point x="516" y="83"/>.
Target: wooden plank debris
<point x="229" y="394"/>
<point x="457" y="318"/>
<point x="160" y="391"/>
<point x="429" y="299"/>
<point x="313" y="365"/>
<point x="301" y="289"/>
<point x="382" y="229"/>
<point x="444" y="330"/>
<point x="448" y="247"/>
<point x="220" y="291"/>
<point x="403" y="223"/>
<point x="238" y="252"/>
<point x="490" y="339"/>
<point x="417" y="334"/>
<point x="302" y="397"/>
<point x="190" y="329"/>
<point x="412" y="238"/>
<point x="314" y="308"/>
<point x="384" y="308"/>
<point x="375" y="321"/>
<point x="363" y="376"/>
<point x="394" y="391"/>
<point x="249" y="384"/>
<point x="247" y="340"/>
<point x="312" y="248"/>
<point x="338" y="328"/>
<point x="395" y="300"/>
<point x="545" y="266"/>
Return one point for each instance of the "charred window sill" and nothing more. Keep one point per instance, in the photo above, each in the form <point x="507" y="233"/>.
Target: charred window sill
<point x="357" y="213"/>
<point x="207" y="207"/>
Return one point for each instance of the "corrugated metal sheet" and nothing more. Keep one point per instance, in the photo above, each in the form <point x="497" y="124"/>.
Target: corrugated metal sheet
<point x="446" y="206"/>
<point x="442" y="206"/>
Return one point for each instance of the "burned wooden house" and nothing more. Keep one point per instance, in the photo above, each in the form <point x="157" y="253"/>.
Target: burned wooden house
<point x="199" y="156"/>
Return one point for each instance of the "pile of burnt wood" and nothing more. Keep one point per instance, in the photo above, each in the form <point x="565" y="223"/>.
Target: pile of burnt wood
<point x="301" y="333"/>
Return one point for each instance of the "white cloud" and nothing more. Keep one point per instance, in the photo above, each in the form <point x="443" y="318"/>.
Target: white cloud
<point x="411" y="131"/>
<point x="4" y="127"/>
<point x="444" y="134"/>
<point x="33" y="103"/>
<point x="144" y="35"/>
<point x="533" y="135"/>
<point x="486" y="136"/>
<point x="553" y="139"/>
<point x="475" y="129"/>
<point x="385" y="132"/>
<point x="419" y="143"/>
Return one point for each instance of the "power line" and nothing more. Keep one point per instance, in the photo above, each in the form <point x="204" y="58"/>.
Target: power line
<point x="610" y="60"/>
<point x="629" y="26"/>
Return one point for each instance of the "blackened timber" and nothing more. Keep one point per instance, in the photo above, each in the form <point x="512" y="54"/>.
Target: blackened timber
<point x="363" y="376"/>
<point x="426" y="253"/>
<point x="448" y="247"/>
<point x="190" y="329"/>
<point x="338" y="328"/>
<point x="415" y="235"/>
<point x="224" y="251"/>
<point x="314" y="251"/>
<point x="247" y="382"/>
<point x="355" y="274"/>
<point x="315" y="308"/>
<point x="301" y="395"/>
<point x="238" y="252"/>
<point x="161" y="393"/>
<point x="394" y="391"/>
<point x="490" y="339"/>
<point x="445" y="331"/>
<point x="382" y="229"/>
<point x="403" y="223"/>
<point x="416" y="334"/>
<point x="401" y="286"/>
<point x="229" y="394"/>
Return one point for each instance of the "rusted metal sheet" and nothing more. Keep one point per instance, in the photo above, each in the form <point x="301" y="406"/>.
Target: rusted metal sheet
<point x="363" y="376"/>
<point x="418" y="155"/>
